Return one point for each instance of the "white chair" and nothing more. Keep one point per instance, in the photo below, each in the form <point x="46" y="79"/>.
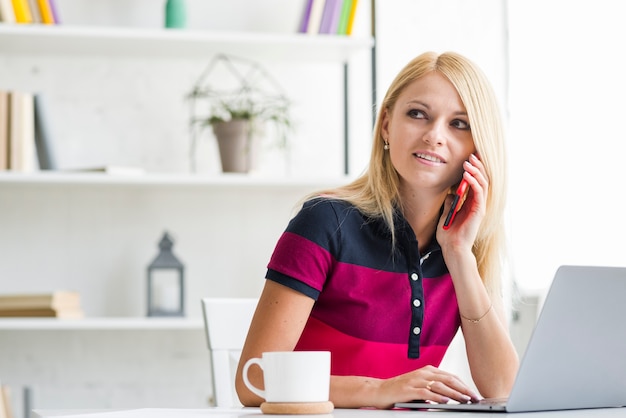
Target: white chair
<point x="226" y="322"/>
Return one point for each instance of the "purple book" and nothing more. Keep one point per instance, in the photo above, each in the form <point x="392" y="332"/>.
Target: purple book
<point x="53" y="9"/>
<point x="304" y="24"/>
<point x="333" y="25"/>
<point x="327" y="16"/>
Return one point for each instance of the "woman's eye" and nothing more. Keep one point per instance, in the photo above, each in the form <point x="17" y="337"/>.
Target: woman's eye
<point x="460" y="124"/>
<point x="416" y="114"/>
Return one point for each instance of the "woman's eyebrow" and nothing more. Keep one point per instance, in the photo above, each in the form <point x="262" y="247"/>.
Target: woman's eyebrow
<point x="419" y="102"/>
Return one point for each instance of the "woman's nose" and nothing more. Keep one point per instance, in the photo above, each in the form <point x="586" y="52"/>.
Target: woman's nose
<point x="436" y="135"/>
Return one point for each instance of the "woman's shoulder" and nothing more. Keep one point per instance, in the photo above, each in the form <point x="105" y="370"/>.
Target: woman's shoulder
<point x="325" y="205"/>
<point x="323" y="211"/>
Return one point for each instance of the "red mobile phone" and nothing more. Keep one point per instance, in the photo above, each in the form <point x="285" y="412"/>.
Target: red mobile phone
<point x="456" y="203"/>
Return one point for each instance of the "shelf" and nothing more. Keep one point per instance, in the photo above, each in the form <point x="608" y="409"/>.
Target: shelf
<point x="113" y="324"/>
<point x="223" y="180"/>
<point x="65" y="39"/>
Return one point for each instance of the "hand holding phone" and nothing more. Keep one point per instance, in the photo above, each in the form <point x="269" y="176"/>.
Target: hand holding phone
<point x="456" y="203"/>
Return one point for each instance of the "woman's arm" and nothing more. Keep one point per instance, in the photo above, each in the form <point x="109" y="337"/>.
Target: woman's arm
<point x="277" y="325"/>
<point x="492" y="357"/>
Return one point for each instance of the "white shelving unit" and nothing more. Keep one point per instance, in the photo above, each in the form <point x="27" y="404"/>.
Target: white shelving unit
<point x="230" y="181"/>
<point x="79" y="42"/>
<point x="43" y="39"/>
<point x="96" y="232"/>
<point x="120" y="42"/>
<point x="112" y="324"/>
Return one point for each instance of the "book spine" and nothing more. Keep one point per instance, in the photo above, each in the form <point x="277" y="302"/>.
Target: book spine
<point x="34" y="11"/>
<point x="343" y="19"/>
<point x="43" y="135"/>
<point x="47" y="18"/>
<point x="6" y="408"/>
<point x="4" y="130"/>
<point x="28" y="154"/>
<point x="326" y="16"/>
<point x="7" y="14"/>
<point x="22" y="11"/>
<point x="60" y="300"/>
<point x="304" y="23"/>
<point x="351" y="17"/>
<point x="317" y="9"/>
<point x="55" y="11"/>
<point x="335" y="15"/>
<point x="14" y="142"/>
<point x="42" y="312"/>
<point x="22" y="153"/>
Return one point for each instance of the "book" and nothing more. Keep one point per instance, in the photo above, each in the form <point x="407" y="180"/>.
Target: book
<point x="315" y="18"/>
<point x="4" y="130"/>
<point x="42" y="313"/>
<point x="7" y="15"/>
<point x="43" y="134"/>
<point x="112" y="170"/>
<point x="304" y="23"/>
<point x="14" y="142"/>
<point x="57" y="300"/>
<point x="342" y="27"/>
<point x="353" y="7"/>
<point x="55" y="11"/>
<point x="22" y="11"/>
<point x="45" y="11"/>
<point x="22" y="150"/>
<point x="330" y="18"/>
<point x="34" y="11"/>
<point x="324" y="22"/>
<point x="6" y="410"/>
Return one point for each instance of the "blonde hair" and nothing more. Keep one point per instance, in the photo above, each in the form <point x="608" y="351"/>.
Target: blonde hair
<point x="376" y="192"/>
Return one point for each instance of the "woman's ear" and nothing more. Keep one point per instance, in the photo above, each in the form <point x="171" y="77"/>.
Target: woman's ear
<point x="384" y="125"/>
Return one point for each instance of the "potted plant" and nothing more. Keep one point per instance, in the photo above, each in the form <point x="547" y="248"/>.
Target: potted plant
<point x="238" y="113"/>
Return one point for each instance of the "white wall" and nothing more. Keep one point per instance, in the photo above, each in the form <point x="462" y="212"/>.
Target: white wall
<point x="567" y="89"/>
<point x="477" y="29"/>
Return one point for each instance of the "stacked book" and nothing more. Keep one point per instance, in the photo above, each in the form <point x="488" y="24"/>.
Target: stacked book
<point x="29" y="11"/>
<point x="328" y="16"/>
<point x="24" y="133"/>
<point x="6" y="411"/>
<point x="59" y="304"/>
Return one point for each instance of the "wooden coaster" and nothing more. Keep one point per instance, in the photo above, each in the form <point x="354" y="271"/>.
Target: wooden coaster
<point x="288" y="408"/>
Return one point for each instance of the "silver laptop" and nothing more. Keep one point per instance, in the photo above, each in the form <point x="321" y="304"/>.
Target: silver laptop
<point x="576" y="356"/>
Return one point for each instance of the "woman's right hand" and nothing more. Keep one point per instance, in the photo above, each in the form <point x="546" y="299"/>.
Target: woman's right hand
<point x="428" y="383"/>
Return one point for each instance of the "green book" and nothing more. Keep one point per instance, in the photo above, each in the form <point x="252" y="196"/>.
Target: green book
<point x="342" y="29"/>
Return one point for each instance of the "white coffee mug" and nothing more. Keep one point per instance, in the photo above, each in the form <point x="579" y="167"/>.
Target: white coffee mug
<point x="292" y="376"/>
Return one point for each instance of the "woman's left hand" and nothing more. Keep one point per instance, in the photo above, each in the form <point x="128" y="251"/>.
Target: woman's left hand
<point x="463" y="231"/>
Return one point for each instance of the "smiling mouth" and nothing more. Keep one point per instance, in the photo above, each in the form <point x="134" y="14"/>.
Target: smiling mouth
<point x="428" y="157"/>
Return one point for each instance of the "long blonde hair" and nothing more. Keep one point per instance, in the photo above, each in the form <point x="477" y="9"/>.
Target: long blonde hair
<point x="376" y="192"/>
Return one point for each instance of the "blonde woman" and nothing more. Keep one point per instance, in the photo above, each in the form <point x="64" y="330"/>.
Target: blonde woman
<point x="367" y="270"/>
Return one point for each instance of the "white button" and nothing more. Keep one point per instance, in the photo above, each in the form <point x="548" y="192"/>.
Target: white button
<point x="416" y="330"/>
<point x="417" y="303"/>
<point x="414" y="276"/>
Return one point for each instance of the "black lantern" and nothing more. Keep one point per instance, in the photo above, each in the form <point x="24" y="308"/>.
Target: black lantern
<point x="166" y="285"/>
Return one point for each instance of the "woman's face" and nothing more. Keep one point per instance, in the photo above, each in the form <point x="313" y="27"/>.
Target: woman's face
<point x="429" y="134"/>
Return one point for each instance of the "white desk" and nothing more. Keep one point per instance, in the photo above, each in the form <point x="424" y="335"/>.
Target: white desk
<point x="338" y="413"/>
